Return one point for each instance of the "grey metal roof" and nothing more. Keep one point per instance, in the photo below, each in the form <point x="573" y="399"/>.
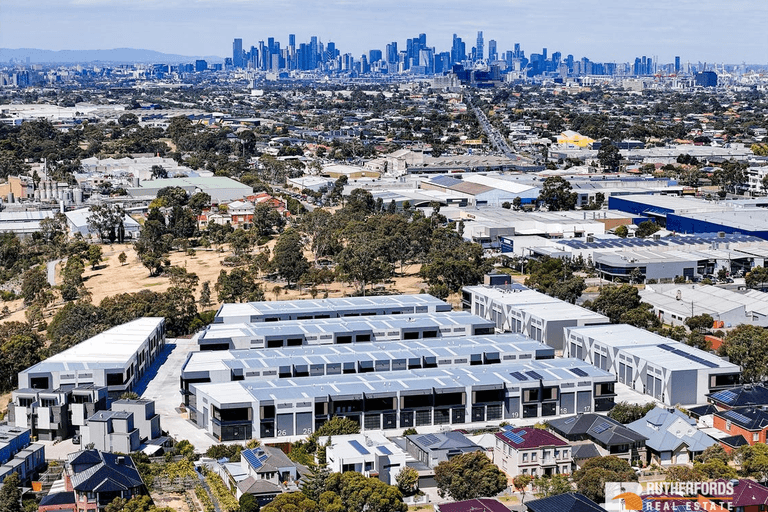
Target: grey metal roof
<point x="112" y="348"/>
<point x="503" y="344"/>
<point x="668" y="429"/>
<point x="649" y="346"/>
<point x="328" y="326"/>
<point x="552" y="372"/>
<point x="330" y="305"/>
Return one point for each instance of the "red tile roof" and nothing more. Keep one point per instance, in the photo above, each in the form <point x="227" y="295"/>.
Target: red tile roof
<point x="532" y="438"/>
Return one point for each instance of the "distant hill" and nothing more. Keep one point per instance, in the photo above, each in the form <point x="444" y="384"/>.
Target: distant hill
<point x="116" y="55"/>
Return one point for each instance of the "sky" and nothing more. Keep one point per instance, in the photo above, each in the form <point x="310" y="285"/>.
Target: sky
<point x="713" y="31"/>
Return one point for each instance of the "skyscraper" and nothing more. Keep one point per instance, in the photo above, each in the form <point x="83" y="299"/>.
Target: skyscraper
<point x="480" y="46"/>
<point x="492" y="53"/>
<point x="677" y="64"/>
<point x="237" y="53"/>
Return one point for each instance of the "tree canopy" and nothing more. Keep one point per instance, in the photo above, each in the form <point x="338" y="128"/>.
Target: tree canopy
<point x="469" y="475"/>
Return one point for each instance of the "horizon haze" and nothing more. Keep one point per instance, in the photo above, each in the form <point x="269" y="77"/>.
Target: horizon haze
<point x="697" y="31"/>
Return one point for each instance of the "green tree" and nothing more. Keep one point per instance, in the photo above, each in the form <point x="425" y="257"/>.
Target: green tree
<point x="468" y="476"/>
<point x="94" y="256"/>
<point x="554" y="485"/>
<point x="122" y="258"/>
<point x="521" y="483"/>
<point x="621" y="231"/>
<point x="608" y="155"/>
<point x="72" y="278"/>
<point x="291" y="502"/>
<point x="238" y="286"/>
<point x="615" y="301"/>
<point x="754" y="461"/>
<point x="108" y="221"/>
<point x="700" y="323"/>
<point x="556" y="193"/>
<point x="590" y="479"/>
<point x="198" y="202"/>
<point x="266" y="219"/>
<point x="171" y="196"/>
<point x="10" y="494"/>
<point x="205" y="295"/>
<point x="407" y="480"/>
<point x="357" y="493"/>
<point x="625" y="412"/>
<point x="757" y="278"/>
<point x="153" y="246"/>
<point x="747" y="346"/>
<point x="288" y="256"/>
<point x="20" y="349"/>
<point x="320" y="234"/>
<point x="646" y="228"/>
<point x="240" y="242"/>
<point x="34" y="284"/>
<point x="248" y="503"/>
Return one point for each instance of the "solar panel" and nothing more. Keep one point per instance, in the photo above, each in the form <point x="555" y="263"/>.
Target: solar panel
<point x="535" y="375"/>
<point x="384" y="450"/>
<point x="427" y="440"/>
<point x="360" y="448"/>
<point x="518" y="376"/>
<point x="578" y="371"/>
<point x="736" y="416"/>
<point x="570" y="420"/>
<point x="515" y="437"/>
<point x="601" y="427"/>
<point x="726" y="396"/>
<point x="253" y="459"/>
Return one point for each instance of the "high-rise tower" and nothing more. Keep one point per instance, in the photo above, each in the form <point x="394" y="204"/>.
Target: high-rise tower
<point x="237" y="53"/>
<point x="480" y="46"/>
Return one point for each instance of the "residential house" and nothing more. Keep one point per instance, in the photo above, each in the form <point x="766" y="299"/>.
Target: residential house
<point x="593" y="435"/>
<point x="432" y="449"/>
<point x="18" y="455"/>
<point x="742" y="396"/>
<point x="749" y="422"/>
<point x="568" y="502"/>
<point x="476" y="505"/>
<point x="266" y="472"/>
<point x="672" y="436"/>
<point x="55" y="413"/>
<point x="531" y="451"/>
<point x="371" y="454"/>
<point x="748" y="496"/>
<point x="112" y="431"/>
<point x="93" y="479"/>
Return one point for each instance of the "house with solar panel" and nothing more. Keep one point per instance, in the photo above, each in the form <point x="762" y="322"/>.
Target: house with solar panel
<point x="264" y="472"/>
<point x="432" y="449"/>
<point x="672" y="436"/>
<point x="749" y="422"/>
<point x="740" y="396"/>
<point x="594" y="435"/>
<point x="371" y="454"/>
<point x="531" y="451"/>
<point x="669" y="371"/>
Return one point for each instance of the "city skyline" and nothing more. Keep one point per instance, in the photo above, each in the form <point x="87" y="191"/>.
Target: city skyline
<point x="698" y="31"/>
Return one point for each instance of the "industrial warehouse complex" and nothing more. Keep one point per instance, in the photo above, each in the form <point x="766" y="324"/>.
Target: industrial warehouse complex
<point x="283" y="408"/>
